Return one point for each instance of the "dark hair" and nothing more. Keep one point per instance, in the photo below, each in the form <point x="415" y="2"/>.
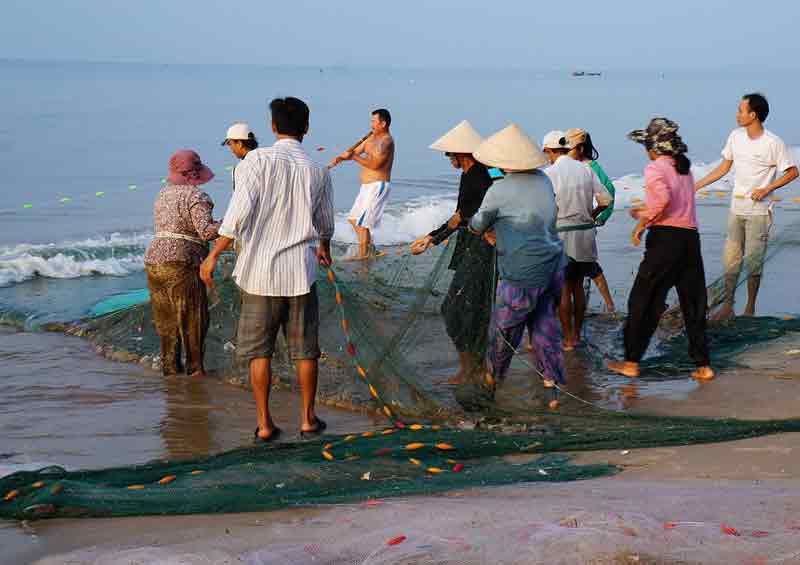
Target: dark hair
<point x="290" y="116"/>
<point x="384" y="116"/>
<point x="682" y="164"/>
<point x="588" y="150"/>
<point x="250" y="143"/>
<point x="758" y="104"/>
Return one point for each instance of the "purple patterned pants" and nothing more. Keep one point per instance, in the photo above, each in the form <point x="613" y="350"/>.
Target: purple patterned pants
<point x="535" y="308"/>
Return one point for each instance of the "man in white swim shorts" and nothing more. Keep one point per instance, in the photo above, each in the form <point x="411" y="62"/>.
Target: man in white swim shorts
<point x="376" y="156"/>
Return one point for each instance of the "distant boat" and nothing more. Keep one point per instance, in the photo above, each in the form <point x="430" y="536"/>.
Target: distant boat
<point x="586" y="74"/>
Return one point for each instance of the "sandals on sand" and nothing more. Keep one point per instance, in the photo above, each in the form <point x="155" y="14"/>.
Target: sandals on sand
<point x="276" y="433"/>
<point x="317" y="431"/>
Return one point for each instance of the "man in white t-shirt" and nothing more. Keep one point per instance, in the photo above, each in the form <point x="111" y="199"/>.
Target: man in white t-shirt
<point x="763" y="165"/>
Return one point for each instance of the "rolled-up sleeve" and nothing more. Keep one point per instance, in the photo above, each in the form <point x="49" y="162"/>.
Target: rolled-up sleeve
<point x="657" y="195"/>
<point x="241" y="203"/>
<point x="200" y="209"/>
<point x="323" y="211"/>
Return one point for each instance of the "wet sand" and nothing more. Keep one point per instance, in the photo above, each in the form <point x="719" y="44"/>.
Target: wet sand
<point x="669" y="505"/>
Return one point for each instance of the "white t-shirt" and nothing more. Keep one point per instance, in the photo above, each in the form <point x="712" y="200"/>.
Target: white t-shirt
<point x="576" y="188"/>
<point x="756" y="163"/>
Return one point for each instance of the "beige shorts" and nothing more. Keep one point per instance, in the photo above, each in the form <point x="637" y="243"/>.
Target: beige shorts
<point x="746" y="244"/>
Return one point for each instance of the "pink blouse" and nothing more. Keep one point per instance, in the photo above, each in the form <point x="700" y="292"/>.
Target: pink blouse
<point x="669" y="196"/>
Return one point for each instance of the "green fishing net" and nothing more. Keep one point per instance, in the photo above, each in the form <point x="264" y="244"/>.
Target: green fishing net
<point x="393" y="333"/>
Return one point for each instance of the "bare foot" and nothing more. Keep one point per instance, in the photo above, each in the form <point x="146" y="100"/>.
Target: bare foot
<point x="749" y="311"/>
<point x="201" y="374"/>
<point x="553" y="405"/>
<point x="624" y="368"/>
<point x="567" y="345"/>
<point x="548" y="383"/>
<point x="456" y="379"/>
<point x="724" y="313"/>
<point x="703" y="374"/>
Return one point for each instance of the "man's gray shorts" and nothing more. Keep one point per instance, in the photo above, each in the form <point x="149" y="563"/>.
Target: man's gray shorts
<point x="262" y="316"/>
<point x="746" y="244"/>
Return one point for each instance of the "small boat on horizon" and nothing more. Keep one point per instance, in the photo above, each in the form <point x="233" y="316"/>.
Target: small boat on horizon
<point x="587" y="73"/>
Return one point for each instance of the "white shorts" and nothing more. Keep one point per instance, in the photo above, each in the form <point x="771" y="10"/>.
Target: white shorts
<point x="368" y="208"/>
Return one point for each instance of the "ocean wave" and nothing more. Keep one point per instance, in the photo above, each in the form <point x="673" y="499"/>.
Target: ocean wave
<point x="112" y="255"/>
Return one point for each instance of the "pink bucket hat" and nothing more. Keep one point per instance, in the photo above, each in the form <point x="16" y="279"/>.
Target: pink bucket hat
<point x="185" y="167"/>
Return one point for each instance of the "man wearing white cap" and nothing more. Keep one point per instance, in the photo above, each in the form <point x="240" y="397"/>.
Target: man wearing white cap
<point x="530" y="255"/>
<point x="467" y="307"/>
<point x="241" y="141"/>
<point x="576" y="188"/>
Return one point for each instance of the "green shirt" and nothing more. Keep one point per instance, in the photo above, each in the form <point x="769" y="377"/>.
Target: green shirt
<point x="601" y="174"/>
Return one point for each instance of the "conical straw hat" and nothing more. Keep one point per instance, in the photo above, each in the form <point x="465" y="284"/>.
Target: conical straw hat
<point x="461" y="139"/>
<point x="511" y="149"/>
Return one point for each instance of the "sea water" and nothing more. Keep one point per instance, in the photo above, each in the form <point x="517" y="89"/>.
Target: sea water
<point x="84" y="149"/>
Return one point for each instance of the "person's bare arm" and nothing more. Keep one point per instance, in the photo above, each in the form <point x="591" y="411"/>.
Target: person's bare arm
<point x="722" y="169"/>
<point x="207" y="266"/>
<point x="788" y="176"/>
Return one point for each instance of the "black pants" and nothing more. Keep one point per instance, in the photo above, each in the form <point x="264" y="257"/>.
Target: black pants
<point x="672" y="258"/>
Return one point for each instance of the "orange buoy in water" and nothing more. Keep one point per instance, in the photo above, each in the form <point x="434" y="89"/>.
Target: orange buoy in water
<point x="167" y="480"/>
<point x="414" y="446"/>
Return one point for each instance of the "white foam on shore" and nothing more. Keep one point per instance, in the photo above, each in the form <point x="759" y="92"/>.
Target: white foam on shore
<point x="112" y="255"/>
<point x="122" y="254"/>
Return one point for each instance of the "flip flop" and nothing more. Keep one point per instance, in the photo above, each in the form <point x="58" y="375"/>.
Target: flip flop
<point x="321" y="426"/>
<point x="276" y="433"/>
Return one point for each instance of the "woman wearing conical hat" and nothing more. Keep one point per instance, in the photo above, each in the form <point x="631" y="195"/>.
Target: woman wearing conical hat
<point x="467" y="307"/>
<point x="530" y="256"/>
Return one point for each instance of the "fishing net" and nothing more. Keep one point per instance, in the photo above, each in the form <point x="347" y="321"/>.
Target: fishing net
<point x="394" y="332"/>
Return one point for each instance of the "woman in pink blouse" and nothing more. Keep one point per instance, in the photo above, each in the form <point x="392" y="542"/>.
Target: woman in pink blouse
<point x="672" y="255"/>
<point x="183" y="226"/>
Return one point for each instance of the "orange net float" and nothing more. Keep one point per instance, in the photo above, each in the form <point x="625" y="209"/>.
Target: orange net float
<point x="361" y="371"/>
<point x="387" y="411"/>
<point x="339" y="298"/>
<point x="351" y="349"/>
<point x="331" y="276"/>
<point x="345" y="325"/>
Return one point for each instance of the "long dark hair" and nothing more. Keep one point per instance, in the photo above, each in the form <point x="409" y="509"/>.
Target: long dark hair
<point x="588" y="150"/>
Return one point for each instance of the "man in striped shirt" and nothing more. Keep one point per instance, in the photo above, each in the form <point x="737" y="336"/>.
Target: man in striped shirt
<point x="282" y="213"/>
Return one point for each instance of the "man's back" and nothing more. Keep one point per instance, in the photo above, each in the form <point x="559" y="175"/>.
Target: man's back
<point x="576" y="187"/>
<point x="281" y="208"/>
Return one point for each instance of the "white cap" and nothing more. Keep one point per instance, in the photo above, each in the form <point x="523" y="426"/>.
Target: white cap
<point x="239" y="131"/>
<point x="555" y="139"/>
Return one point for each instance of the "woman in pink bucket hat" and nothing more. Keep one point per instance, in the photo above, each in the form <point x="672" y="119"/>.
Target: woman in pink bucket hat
<point x="183" y="227"/>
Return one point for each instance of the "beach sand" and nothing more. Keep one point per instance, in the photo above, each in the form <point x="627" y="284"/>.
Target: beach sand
<point x="736" y="502"/>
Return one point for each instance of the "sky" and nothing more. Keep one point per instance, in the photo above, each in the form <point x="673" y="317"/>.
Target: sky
<point x="610" y="34"/>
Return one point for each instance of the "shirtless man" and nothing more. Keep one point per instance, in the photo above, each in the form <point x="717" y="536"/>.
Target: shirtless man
<point x="376" y="156"/>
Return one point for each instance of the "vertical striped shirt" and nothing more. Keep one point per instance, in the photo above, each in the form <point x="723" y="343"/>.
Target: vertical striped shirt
<point x="282" y="207"/>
